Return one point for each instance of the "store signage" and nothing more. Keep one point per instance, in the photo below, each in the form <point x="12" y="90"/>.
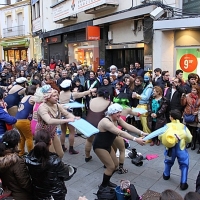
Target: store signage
<point x="92" y="33"/>
<point x="52" y="40"/>
<point x="24" y="42"/>
<point x="188" y="60"/>
<point x="34" y="1"/>
<point x="36" y="24"/>
<point x="73" y="7"/>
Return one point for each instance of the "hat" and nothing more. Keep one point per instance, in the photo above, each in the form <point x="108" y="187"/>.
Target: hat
<point x="21" y="80"/>
<point x="66" y="83"/>
<point x="114" y="108"/>
<point x="113" y="67"/>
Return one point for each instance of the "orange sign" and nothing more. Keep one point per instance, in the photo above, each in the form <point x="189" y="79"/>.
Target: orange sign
<point x="93" y="33"/>
<point x="188" y="63"/>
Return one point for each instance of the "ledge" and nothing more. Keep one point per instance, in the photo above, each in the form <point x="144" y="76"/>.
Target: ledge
<point x="54" y="5"/>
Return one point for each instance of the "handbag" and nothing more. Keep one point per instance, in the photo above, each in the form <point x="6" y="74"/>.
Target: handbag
<point x="190" y="118"/>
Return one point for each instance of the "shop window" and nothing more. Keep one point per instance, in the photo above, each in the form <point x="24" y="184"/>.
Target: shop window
<point x="86" y="53"/>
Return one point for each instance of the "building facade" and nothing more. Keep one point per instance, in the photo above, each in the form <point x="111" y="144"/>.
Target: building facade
<point x="16" y="34"/>
<point x="176" y="43"/>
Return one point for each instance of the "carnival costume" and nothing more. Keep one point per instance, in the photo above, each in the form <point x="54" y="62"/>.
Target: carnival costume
<point x="175" y="139"/>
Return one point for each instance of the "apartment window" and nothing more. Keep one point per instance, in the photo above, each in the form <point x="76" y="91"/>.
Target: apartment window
<point x="20" y="19"/>
<point x="36" y="10"/>
<point x="9" y="21"/>
<point x="8" y="2"/>
<point x="18" y="0"/>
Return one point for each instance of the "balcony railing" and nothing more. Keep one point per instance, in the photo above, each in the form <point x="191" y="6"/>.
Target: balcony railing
<point x="14" y="31"/>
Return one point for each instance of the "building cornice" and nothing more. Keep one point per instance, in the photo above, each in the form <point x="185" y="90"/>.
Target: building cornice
<point x="14" y="5"/>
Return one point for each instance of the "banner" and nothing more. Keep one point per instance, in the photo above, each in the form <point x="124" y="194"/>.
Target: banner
<point x="188" y="60"/>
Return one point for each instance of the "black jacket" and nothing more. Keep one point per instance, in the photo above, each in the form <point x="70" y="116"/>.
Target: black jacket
<point x="163" y="84"/>
<point x="47" y="181"/>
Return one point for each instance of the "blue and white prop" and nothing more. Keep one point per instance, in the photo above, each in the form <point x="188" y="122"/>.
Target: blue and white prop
<point x="140" y="110"/>
<point x="156" y="133"/>
<point x="84" y="127"/>
<point x="74" y="105"/>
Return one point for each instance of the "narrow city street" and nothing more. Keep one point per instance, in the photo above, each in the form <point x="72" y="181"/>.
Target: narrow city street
<point x="149" y="176"/>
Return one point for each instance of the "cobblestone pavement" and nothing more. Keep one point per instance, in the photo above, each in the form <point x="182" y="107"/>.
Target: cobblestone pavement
<point x="149" y="176"/>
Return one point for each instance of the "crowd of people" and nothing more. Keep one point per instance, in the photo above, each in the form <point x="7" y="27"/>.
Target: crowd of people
<point x="32" y="107"/>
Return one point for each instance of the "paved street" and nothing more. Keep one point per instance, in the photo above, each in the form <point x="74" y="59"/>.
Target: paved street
<point x="149" y="176"/>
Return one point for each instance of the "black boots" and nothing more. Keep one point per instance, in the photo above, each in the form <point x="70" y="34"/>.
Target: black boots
<point x="136" y="159"/>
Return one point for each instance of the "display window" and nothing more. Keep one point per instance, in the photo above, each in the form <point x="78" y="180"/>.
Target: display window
<point x="15" y="54"/>
<point x="86" y="53"/>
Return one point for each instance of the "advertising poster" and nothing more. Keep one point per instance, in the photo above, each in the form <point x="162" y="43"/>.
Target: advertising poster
<point x="188" y="60"/>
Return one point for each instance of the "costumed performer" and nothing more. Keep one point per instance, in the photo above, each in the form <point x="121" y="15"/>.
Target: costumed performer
<point x="144" y="100"/>
<point x="175" y="139"/>
<point x="96" y="111"/>
<point x="103" y="141"/>
<point x="15" y="95"/>
<point x="118" y="143"/>
<point x="24" y="116"/>
<point x="49" y="116"/>
<point x="65" y="97"/>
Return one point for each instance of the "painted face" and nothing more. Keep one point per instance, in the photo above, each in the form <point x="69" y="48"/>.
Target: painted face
<point x="146" y="78"/>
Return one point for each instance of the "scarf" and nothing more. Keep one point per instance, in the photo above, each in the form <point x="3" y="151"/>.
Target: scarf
<point x="194" y="98"/>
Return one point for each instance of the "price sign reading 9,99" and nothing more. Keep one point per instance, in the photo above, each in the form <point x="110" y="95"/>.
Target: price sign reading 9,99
<point x="188" y="62"/>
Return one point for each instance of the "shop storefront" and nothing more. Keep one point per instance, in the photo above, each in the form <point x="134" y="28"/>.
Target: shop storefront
<point x="177" y="45"/>
<point x="16" y="50"/>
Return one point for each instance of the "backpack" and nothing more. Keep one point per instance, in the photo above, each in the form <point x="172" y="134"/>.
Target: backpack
<point x="106" y="194"/>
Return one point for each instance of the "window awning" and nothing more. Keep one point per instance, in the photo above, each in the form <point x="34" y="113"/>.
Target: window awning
<point x="13" y="43"/>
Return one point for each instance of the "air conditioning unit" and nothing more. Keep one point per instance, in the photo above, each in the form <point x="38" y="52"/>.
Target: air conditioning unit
<point x="156" y="13"/>
<point x="9" y="29"/>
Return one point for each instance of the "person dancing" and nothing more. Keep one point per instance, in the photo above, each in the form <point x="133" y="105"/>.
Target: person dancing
<point x="104" y="140"/>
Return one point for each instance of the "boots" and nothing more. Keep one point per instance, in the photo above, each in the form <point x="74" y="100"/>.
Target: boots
<point x="136" y="159"/>
<point x="132" y="154"/>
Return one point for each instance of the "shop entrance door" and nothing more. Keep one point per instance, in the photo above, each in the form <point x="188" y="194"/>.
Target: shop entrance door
<point x="124" y="57"/>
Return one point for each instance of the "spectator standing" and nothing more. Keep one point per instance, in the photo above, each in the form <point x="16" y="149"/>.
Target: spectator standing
<point x="191" y="102"/>
<point x="52" y="64"/>
<point x="190" y="82"/>
<point x="157" y="107"/>
<point x="139" y="71"/>
<point x="173" y="95"/>
<point x="163" y="82"/>
<point x="157" y="76"/>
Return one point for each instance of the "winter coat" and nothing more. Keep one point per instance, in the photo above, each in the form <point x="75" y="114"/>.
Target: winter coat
<point x="161" y="118"/>
<point x="14" y="175"/>
<point x="190" y="107"/>
<point x="162" y="83"/>
<point x="47" y="181"/>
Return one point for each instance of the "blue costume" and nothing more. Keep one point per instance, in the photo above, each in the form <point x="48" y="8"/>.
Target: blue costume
<point x="175" y="139"/>
<point x="5" y="118"/>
